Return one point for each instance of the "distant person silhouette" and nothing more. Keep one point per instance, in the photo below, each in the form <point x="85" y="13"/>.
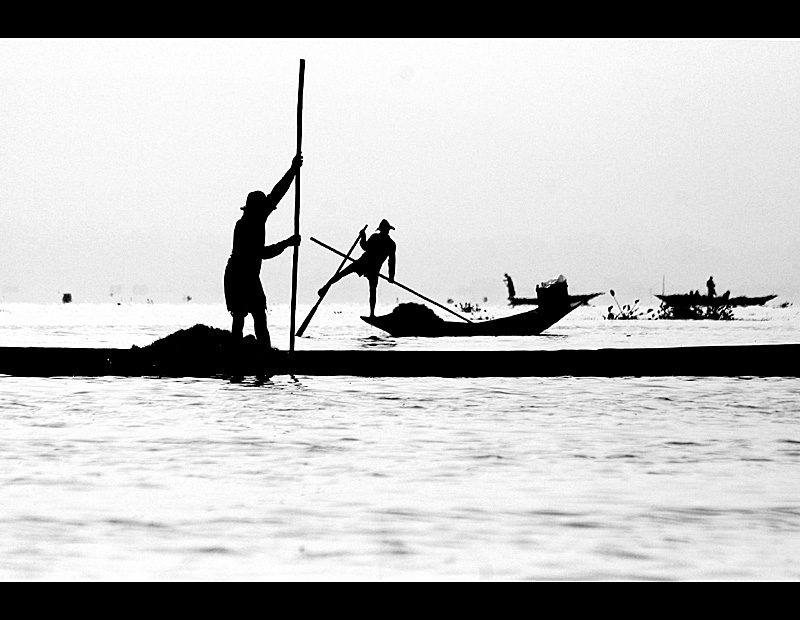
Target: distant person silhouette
<point x="712" y="289"/>
<point x="510" y="284"/>
<point x="244" y="293"/>
<point x="377" y="249"/>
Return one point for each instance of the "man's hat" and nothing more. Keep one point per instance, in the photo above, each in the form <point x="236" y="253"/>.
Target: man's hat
<point x="385" y="225"/>
<point x="255" y="199"/>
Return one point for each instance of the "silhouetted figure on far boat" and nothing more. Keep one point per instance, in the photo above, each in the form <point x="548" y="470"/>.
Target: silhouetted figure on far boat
<point x="244" y="293"/>
<point x="510" y="284"/>
<point x="712" y="288"/>
<point x="379" y="247"/>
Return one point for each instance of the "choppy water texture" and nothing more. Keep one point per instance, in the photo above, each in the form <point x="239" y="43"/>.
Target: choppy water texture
<point x="668" y="478"/>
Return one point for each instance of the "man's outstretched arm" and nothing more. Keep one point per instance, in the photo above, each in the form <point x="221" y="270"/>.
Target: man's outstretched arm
<point x="391" y="266"/>
<point x="271" y="251"/>
<point x="282" y="186"/>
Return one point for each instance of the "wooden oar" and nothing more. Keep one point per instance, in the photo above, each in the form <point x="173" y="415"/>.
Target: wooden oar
<point x="321" y="297"/>
<point x="335" y="251"/>
<point x="297" y="200"/>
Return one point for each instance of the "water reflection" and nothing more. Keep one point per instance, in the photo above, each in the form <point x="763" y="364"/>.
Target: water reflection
<point x="393" y="478"/>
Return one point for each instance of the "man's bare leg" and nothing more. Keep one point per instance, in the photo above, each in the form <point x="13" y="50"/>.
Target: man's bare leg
<point x="336" y="277"/>
<point x="237" y="328"/>
<point x="264" y="343"/>
<point x="262" y="333"/>
<point x="373" y="296"/>
<point x="236" y="360"/>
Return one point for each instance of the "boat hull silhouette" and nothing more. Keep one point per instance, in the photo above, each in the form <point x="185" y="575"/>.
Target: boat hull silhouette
<point x="535" y="301"/>
<point x="426" y="324"/>
<point x="707" y="361"/>
<point x="686" y="300"/>
<point x="559" y="289"/>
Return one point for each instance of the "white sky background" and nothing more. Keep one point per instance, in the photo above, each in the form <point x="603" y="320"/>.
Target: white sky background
<point x="613" y="162"/>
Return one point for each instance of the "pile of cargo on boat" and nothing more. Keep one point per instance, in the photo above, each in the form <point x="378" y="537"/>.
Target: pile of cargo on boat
<point x="418" y="314"/>
<point x="196" y="342"/>
<point x="199" y="350"/>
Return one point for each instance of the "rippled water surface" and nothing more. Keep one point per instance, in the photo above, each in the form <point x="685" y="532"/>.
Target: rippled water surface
<point x="667" y="478"/>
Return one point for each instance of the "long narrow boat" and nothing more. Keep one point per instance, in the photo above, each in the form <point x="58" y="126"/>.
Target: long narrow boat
<point x="535" y="301"/>
<point x="513" y="300"/>
<point x="685" y="300"/>
<point x="417" y="320"/>
<point x="768" y="360"/>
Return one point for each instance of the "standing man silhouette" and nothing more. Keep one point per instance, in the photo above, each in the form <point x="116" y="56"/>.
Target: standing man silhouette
<point x="244" y="293"/>
<point x="377" y="249"/>
<point x="712" y="288"/>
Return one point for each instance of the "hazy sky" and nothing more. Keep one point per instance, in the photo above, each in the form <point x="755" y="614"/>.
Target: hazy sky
<point x="620" y="163"/>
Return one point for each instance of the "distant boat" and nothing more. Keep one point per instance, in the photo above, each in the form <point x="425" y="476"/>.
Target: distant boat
<point x="686" y="300"/>
<point x="411" y="319"/>
<point x="513" y="300"/>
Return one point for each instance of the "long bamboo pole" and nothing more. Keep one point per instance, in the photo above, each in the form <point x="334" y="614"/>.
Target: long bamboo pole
<point x="297" y="201"/>
<point x="395" y="282"/>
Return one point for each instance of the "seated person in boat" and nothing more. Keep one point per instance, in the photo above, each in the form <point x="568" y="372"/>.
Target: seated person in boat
<point x="377" y="249"/>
